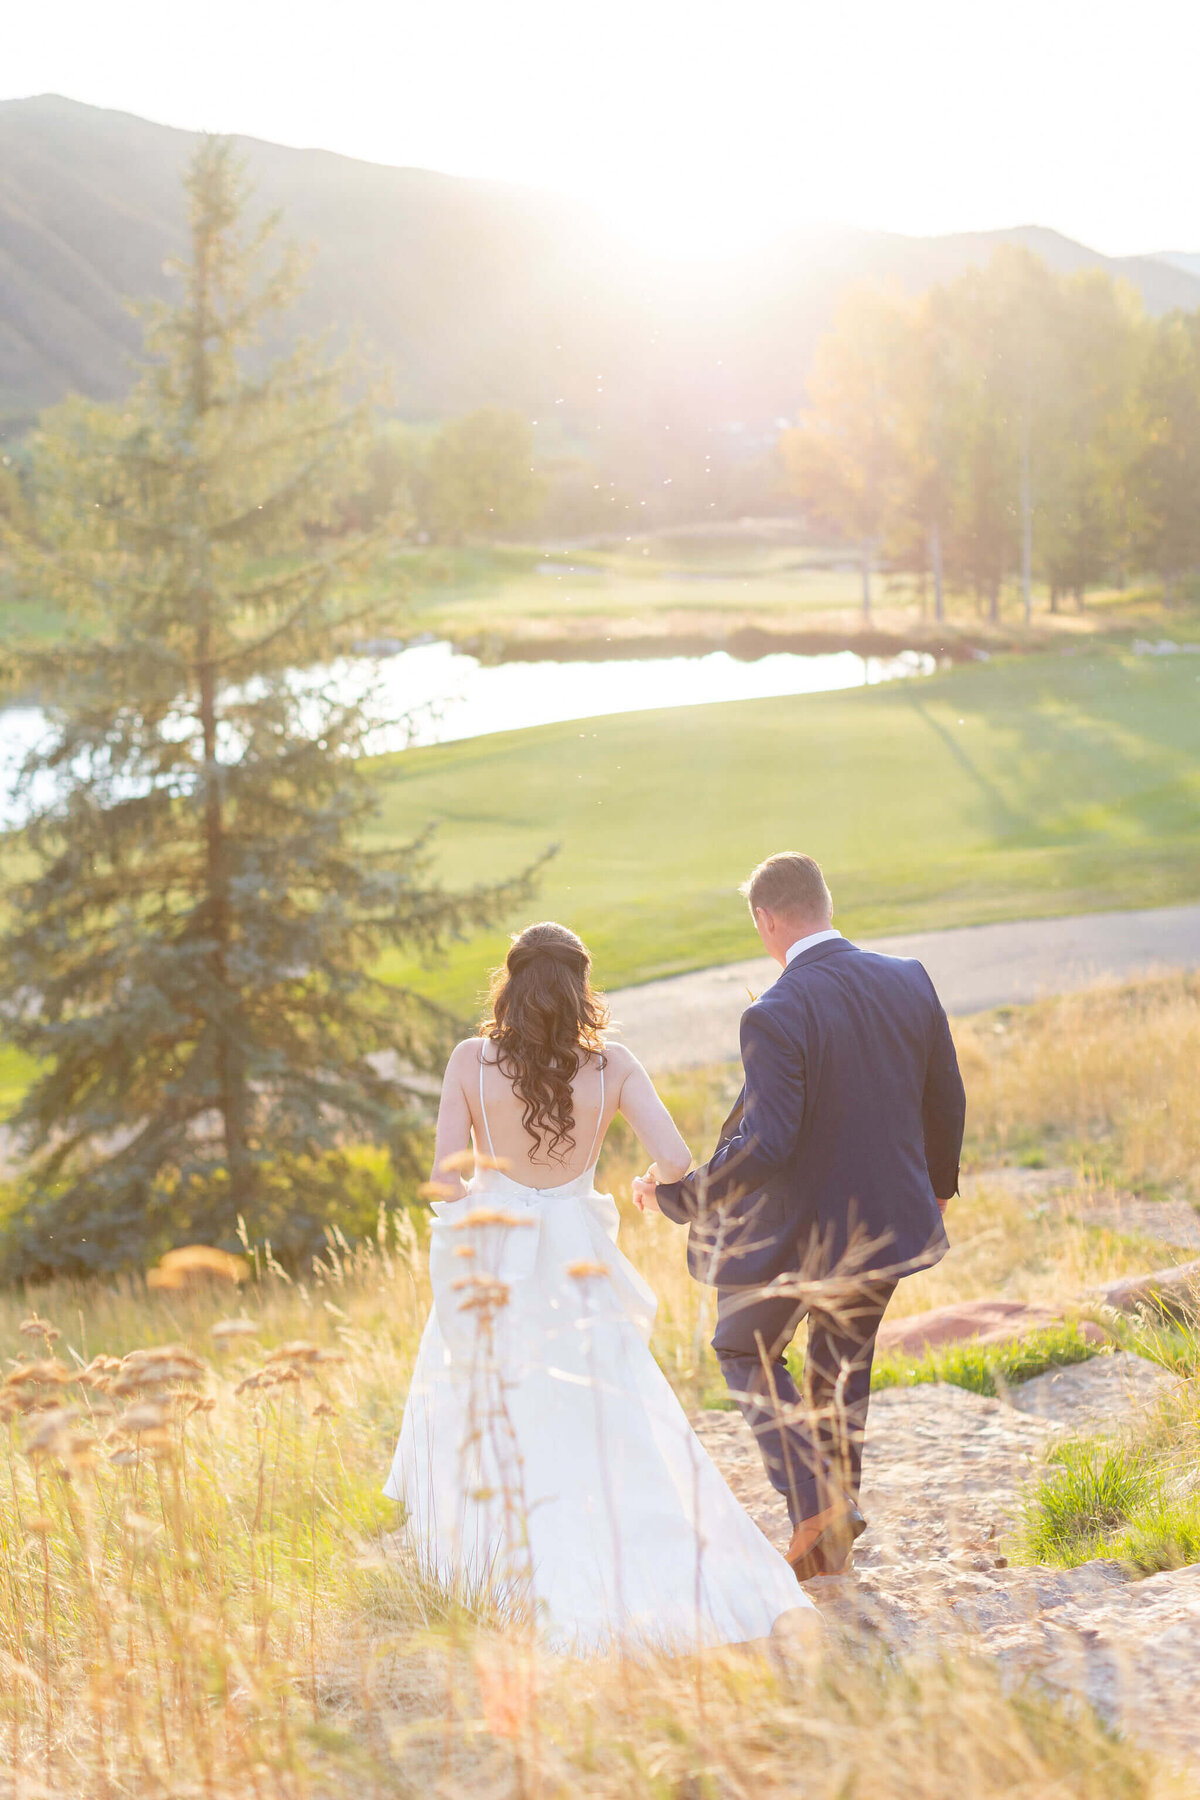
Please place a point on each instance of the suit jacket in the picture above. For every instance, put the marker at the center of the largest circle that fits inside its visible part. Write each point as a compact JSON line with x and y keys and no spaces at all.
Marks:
{"x":849,"y":1127}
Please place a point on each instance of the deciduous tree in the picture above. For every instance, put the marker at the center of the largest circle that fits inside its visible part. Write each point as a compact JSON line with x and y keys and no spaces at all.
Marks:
{"x":842,"y":458}
{"x":480,"y":476}
{"x":1166,"y":461}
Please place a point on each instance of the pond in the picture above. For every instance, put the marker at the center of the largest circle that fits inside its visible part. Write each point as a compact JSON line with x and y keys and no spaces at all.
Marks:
{"x":433,"y":694}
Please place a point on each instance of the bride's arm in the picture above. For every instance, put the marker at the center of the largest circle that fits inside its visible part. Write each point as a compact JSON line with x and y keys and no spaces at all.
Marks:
{"x":656,"y":1130}
{"x":453,"y":1142}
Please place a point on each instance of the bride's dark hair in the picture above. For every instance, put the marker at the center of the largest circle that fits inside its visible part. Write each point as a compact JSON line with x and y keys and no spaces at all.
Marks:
{"x":545,"y":1020}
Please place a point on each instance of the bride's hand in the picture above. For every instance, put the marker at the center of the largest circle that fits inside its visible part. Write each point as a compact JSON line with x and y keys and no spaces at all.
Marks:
{"x":645,"y":1190}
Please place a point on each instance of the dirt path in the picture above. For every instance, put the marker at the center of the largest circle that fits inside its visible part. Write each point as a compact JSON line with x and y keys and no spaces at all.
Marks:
{"x":943,"y":1473}
{"x":690,"y":1020}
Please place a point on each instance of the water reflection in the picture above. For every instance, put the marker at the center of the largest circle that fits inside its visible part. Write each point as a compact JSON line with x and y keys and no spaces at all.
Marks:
{"x":434,"y":694}
{"x":455,"y":696}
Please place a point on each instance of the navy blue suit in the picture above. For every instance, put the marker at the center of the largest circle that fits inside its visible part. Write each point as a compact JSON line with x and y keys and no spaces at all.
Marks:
{"x":846,"y":1135}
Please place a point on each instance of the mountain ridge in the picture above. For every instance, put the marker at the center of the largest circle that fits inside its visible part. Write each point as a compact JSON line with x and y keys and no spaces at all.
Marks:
{"x":476,"y":291}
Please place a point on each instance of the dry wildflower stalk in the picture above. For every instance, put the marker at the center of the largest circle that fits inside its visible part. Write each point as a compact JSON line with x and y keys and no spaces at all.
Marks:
{"x":481,"y":1216}
{"x":224,"y":1331}
{"x":35,"y":1327}
{"x":190,"y":1653}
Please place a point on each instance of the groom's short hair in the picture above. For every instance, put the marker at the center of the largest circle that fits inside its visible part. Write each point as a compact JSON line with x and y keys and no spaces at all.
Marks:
{"x":791,"y":884}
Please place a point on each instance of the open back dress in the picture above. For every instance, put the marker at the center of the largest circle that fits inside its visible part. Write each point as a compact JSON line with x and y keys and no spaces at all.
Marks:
{"x":543,"y":1456}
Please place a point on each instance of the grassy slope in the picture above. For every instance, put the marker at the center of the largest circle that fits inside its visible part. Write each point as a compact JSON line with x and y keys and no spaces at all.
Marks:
{"x":1027,"y":787}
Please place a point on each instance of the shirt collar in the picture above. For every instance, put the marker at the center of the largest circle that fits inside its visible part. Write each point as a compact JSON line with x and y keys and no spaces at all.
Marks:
{"x":806,"y":943}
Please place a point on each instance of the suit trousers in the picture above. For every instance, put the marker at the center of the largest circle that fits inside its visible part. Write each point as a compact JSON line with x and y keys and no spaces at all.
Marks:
{"x":811,"y":1443}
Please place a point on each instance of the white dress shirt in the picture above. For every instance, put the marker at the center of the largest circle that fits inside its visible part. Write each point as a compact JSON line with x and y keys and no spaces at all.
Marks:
{"x":806,"y":943}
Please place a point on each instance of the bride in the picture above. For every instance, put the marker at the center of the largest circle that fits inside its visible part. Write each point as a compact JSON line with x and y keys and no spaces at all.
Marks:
{"x":543,"y":1456}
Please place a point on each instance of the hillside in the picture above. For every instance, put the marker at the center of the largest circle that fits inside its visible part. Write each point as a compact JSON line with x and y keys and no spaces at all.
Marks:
{"x":474,"y":292}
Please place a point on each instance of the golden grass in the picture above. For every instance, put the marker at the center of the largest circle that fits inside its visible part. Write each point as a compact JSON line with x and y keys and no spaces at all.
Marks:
{"x":1101,"y":1085}
{"x":201,"y":1592}
{"x":1106,"y":1076}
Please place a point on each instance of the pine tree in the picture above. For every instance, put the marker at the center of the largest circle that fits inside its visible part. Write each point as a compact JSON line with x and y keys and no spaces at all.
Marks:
{"x":190,"y":959}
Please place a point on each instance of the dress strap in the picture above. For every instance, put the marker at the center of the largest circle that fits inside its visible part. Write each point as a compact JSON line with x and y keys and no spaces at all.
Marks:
{"x":599,"y":1118}
{"x":483,"y":1109}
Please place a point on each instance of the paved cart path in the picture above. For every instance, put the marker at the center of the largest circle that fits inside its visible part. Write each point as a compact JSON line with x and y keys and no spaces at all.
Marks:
{"x":692,"y":1019}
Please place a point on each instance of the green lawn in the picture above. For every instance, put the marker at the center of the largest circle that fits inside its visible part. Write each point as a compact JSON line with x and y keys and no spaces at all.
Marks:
{"x":512,"y":591}
{"x":509,"y":590}
{"x":688,"y":585}
{"x":705,"y":584}
{"x":1020,"y":788}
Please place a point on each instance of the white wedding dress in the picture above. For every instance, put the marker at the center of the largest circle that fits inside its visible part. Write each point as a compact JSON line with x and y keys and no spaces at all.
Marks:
{"x":543,"y":1456}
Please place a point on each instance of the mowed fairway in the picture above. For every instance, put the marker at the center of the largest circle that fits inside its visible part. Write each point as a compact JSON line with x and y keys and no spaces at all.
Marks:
{"x":1023,"y":787}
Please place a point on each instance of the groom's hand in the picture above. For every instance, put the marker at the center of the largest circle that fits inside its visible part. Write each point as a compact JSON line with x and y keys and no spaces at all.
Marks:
{"x":645,"y":1190}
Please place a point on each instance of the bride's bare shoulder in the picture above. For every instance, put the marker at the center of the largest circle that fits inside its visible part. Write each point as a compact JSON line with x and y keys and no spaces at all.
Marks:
{"x":619,"y":1060}
{"x":464,"y":1056}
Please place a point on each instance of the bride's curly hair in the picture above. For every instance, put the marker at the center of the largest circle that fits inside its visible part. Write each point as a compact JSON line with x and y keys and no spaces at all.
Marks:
{"x":545,"y":1020}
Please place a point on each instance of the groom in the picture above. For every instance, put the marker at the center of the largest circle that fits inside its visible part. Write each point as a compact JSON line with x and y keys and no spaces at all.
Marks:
{"x":827,"y":1185}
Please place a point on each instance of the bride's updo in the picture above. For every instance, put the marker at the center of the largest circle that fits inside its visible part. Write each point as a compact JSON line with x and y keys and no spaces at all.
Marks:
{"x":545,"y":1019}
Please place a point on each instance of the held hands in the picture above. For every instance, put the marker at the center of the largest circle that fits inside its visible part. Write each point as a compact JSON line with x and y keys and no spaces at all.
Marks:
{"x":645,"y":1190}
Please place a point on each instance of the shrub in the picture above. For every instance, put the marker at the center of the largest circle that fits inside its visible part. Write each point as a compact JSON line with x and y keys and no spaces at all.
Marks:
{"x":296,"y":1202}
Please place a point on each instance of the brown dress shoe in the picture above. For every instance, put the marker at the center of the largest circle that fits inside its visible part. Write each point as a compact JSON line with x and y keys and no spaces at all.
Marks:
{"x":830,"y":1550}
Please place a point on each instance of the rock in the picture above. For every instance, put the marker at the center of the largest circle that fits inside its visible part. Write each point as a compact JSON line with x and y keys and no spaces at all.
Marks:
{"x":943,"y":1475}
{"x":1132,"y":1649}
{"x":1175,"y":1291}
{"x":943,"y":1469}
{"x":1094,"y":1396}
{"x":977,"y":1321}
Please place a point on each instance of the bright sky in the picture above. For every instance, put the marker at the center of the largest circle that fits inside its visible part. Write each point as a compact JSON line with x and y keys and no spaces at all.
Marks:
{"x":698,"y":124}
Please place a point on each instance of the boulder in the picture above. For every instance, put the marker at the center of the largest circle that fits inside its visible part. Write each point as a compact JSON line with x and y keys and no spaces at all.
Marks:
{"x":1097,"y":1396}
{"x":972,"y":1321}
{"x":1173,"y":1291}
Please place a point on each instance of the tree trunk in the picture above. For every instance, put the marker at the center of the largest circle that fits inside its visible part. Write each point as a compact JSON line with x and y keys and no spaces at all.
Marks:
{"x":866,"y":582}
{"x":1026,"y":526}
{"x":1079,"y":597}
{"x":1053,"y":599}
{"x":994,"y":602}
{"x":232,"y":1096}
{"x":935,"y":562}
